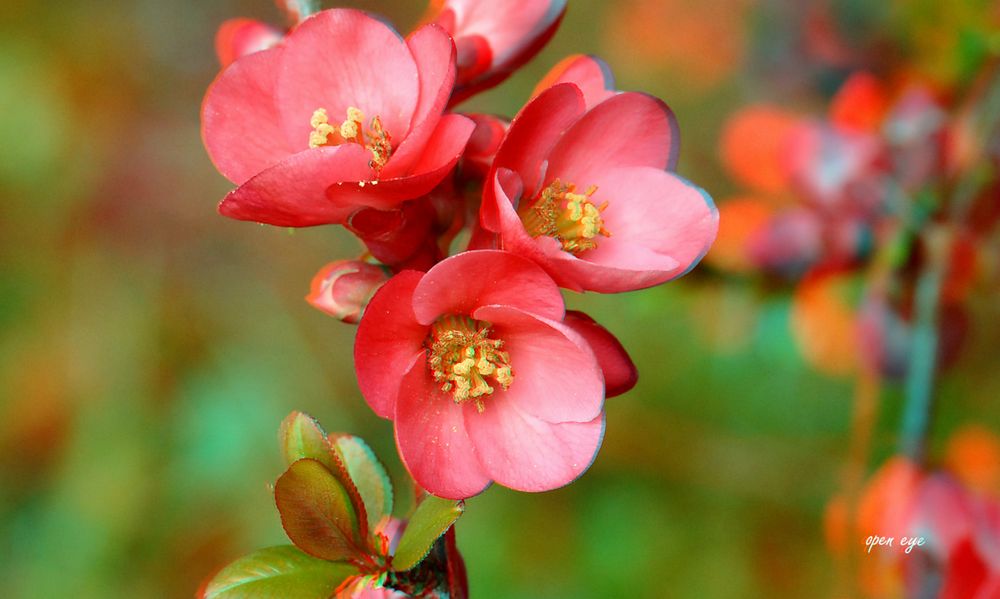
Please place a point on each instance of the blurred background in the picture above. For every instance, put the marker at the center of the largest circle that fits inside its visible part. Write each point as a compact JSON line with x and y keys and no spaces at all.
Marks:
{"x":149,"y":348}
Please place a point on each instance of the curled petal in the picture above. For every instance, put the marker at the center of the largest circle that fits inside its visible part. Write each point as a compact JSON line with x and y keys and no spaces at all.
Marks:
{"x":529,"y":139}
{"x":434,"y":54}
{"x":293,"y":192}
{"x":438,"y":158}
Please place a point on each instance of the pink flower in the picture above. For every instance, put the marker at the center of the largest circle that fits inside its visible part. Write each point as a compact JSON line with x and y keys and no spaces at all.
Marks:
{"x":238,"y":37}
{"x":343,"y":288}
{"x":342,"y":114}
{"x":582,"y":184}
{"x":494,"y":37}
{"x":482,"y":377}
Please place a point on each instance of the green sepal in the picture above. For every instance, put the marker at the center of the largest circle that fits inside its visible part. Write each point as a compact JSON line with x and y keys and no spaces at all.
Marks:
{"x":431,"y":519}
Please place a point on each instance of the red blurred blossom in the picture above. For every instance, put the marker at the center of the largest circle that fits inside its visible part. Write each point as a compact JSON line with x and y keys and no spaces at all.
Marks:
{"x":582,"y":185}
{"x":238,"y":37}
{"x":482,"y":377}
{"x":960,"y":555}
{"x":310,"y":142}
{"x":847,"y":174}
{"x":753,"y":147}
{"x":973,"y":454}
{"x":343,"y":288}
{"x":494,"y":37}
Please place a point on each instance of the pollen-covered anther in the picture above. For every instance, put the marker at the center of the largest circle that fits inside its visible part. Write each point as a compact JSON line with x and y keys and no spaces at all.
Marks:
{"x":561,"y":213}
{"x":352,"y":130}
{"x":467,"y":362}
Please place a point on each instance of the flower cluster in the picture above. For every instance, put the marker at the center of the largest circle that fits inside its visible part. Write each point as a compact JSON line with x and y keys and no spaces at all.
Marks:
{"x":472,"y":223}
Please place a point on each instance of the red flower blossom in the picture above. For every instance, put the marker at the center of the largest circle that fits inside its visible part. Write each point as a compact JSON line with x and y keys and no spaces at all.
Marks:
{"x":582,"y":184}
{"x":494,"y":37}
{"x":241,"y":36}
{"x":342,"y":114}
{"x":483,"y":378}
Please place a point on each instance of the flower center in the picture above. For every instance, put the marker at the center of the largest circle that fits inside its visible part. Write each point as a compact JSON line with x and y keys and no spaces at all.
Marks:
{"x":376,"y":140}
{"x":561,"y":213}
{"x":465,"y":359}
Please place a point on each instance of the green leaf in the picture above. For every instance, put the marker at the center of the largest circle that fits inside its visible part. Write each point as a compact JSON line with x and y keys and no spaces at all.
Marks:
{"x":317,"y":513}
{"x":431,"y":519}
{"x":368,"y":474}
{"x":282,"y":572}
{"x":301,"y":436}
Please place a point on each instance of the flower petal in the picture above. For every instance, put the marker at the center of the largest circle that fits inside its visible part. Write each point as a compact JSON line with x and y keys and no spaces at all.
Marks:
{"x":466,"y":281}
{"x":620,"y":373}
{"x":434,"y":54}
{"x":292,"y":193}
{"x":525,"y":453}
{"x":239,"y":118}
{"x":657,"y":210}
{"x":388,"y":342}
{"x":341,"y":58}
{"x":496,"y":37}
{"x":621,"y":265}
{"x":536,"y":129}
{"x":556,"y":376}
{"x":629,"y":129}
{"x":438,"y":158}
{"x":591,"y":74}
{"x":432,"y":439}
{"x":241,"y":36}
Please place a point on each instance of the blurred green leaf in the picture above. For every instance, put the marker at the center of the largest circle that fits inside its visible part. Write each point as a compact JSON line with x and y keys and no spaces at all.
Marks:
{"x":430,"y":520}
{"x":317,"y":513}
{"x":368,"y":475}
{"x":282,"y":571}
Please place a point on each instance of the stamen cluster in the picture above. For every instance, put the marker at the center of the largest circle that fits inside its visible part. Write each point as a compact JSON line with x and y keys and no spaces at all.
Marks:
{"x":376,"y":140}
{"x":462,"y":355}
{"x":572,"y":218}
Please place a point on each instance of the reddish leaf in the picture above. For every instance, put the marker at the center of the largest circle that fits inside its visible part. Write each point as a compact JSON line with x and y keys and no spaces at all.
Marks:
{"x":317,"y":513}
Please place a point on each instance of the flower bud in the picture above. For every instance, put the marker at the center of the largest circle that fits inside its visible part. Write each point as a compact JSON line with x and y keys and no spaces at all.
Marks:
{"x":238,"y":37}
{"x":342,"y":288}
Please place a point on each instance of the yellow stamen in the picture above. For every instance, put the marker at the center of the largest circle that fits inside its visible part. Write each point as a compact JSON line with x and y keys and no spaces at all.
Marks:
{"x":462,"y":355}
{"x":376,"y":140}
{"x":561,"y":213}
